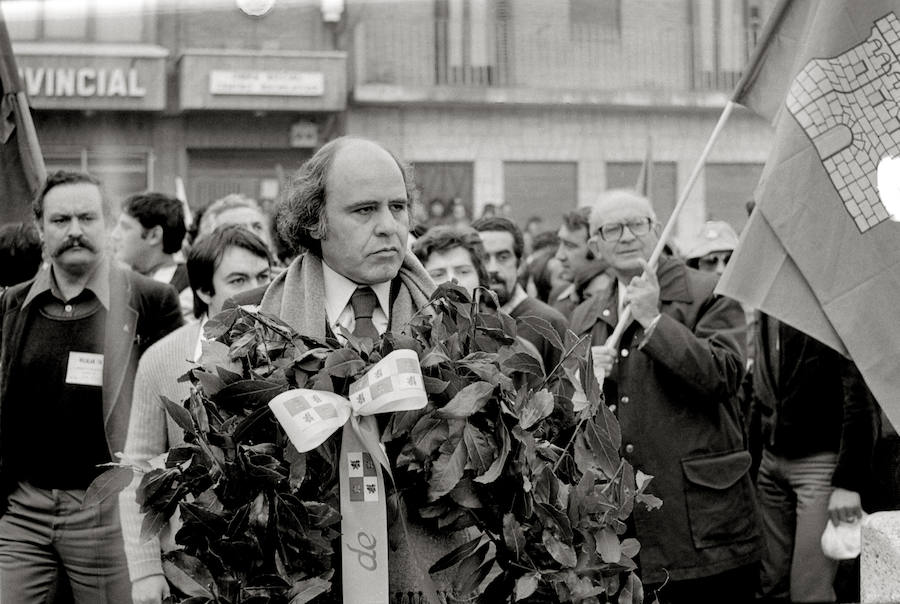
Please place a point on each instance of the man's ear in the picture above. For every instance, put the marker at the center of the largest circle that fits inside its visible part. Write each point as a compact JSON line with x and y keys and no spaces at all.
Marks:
{"x":205,"y":296}
{"x":593,"y":246}
{"x":153,"y":235}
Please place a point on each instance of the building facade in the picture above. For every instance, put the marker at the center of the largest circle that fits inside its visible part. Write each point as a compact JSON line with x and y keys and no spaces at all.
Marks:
{"x":541,"y":105}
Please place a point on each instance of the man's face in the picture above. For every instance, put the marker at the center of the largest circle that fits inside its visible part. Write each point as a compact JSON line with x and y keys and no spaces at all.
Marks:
{"x":74,"y":228}
{"x":130,"y":241}
{"x":366,"y":214}
{"x":249,"y":218}
{"x":239,"y":270}
{"x":502,"y":265}
{"x":601,"y":285}
{"x":573,"y":250}
{"x":455,"y":263}
{"x":714,"y":262}
{"x":625,"y":253}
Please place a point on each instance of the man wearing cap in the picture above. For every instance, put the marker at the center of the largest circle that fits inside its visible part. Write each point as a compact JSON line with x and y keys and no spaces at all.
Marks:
{"x":712,"y":248}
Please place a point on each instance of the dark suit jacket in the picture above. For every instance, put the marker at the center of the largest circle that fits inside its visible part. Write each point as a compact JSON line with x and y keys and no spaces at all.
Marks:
{"x":141,"y":312}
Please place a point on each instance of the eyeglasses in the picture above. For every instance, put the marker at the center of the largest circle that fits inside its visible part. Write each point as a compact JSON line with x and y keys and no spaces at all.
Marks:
{"x":612,"y":231}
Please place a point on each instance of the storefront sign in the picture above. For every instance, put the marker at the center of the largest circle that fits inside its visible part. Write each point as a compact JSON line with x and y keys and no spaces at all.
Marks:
{"x":93,"y":77}
{"x":82,"y":82}
{"x":266,"y":83}
{"x":261,"y":81}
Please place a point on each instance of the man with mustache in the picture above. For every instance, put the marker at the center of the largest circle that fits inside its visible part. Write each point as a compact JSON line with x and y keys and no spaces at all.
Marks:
{"x":69,"y":346}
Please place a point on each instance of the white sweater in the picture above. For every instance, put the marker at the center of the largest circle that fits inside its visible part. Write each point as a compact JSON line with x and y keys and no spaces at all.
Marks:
{"x":151,"y":432}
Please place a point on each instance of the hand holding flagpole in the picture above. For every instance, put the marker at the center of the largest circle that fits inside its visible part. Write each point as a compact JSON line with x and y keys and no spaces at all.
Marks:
{"x":599,"y":356}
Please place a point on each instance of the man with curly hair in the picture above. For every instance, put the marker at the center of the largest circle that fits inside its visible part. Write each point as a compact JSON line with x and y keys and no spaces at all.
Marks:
{"x":350,"y":207}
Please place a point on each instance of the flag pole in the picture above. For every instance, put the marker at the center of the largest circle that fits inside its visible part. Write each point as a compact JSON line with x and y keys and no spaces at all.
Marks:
{"x":9,"y":74}
{"x":34,"y":146}
{"x":625,"y":319}
{"x":749,"y":76}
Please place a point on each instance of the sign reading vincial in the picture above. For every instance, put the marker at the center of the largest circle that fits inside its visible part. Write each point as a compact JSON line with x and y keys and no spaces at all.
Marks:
{"x":82,"y":81}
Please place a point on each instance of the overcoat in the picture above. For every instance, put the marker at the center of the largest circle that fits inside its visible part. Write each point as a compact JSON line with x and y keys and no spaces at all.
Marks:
{"x":675,"y":394}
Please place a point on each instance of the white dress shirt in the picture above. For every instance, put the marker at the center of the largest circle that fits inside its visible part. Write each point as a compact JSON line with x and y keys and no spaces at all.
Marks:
{"x":338,"y":291}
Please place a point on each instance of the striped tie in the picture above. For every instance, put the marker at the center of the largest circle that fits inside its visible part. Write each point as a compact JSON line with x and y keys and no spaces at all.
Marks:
{"x":363,"y":303}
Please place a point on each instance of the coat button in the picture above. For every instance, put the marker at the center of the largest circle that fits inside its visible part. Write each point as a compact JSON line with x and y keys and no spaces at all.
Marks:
{"x":612,"y":407}
{"x":624,"y":352}
{"x":629,"y":448}
{"x":605,"y":312}
{"x":625,"y":400}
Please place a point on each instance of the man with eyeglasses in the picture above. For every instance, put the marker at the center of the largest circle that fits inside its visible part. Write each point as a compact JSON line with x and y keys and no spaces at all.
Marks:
{"x":673,"y":381}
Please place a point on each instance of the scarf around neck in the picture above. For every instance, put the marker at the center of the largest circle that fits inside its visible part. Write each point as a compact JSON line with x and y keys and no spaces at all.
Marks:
{"x":297,"y":295}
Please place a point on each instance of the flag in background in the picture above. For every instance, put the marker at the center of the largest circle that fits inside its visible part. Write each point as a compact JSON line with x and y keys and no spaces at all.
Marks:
{"x":20,"y":156}
{"x":644,"y":184}
{"x":820,"y":252}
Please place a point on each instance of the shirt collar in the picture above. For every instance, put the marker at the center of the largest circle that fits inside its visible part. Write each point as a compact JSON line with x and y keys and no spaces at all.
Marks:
{"x":201,"y":337}
{"x":567,"y":293}
{"x":339,"y":289}
{"x":517,"y":298}
{"x":164,"y":273}
{"x":97,"y":283}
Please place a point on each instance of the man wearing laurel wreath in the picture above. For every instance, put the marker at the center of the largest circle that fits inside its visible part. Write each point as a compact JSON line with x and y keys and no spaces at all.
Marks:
{"x":350,"y":207}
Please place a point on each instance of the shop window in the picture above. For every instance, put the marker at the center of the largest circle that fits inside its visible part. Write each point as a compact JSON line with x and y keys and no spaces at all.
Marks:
{"x":471,"y":40}
{"x":81,"y":20}
{"x":603,"y":14}
{"x":540,"y":189}
{"x":441,"y":183}
{"x":724,"y":33}
{"x":663,"y":183}
{"x":258,"y":174}
{"x":122,"y":172}
{"x":728,"y":189}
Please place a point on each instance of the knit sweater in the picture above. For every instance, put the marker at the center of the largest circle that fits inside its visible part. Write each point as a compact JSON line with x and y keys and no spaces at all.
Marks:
{"x":151,"y":432}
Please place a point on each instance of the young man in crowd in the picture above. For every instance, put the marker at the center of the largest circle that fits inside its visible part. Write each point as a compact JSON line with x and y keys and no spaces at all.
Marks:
{"x":69,"y":348}
{"x":147,"y":237}
{"x":228,"y":261}
{"x":574,"y":255}
{"x":451,"y":253}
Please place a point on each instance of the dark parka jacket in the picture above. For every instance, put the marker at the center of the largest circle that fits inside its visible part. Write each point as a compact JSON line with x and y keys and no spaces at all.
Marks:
{"x":675,"y":394}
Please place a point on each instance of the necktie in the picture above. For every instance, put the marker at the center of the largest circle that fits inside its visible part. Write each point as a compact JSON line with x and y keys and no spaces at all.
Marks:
{"x":363,"y":303}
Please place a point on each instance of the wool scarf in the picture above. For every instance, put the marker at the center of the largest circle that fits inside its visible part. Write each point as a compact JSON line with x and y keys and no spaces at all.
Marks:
{"x":297,"y":295}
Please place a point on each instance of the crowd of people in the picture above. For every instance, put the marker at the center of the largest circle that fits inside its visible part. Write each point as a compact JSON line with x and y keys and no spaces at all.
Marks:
{"x":757,"y":437}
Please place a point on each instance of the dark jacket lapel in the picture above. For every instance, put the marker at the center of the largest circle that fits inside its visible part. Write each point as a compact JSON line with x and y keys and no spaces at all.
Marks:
{"x":121,"y":332}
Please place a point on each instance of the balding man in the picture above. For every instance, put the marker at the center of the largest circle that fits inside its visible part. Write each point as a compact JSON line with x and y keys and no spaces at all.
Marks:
{"x":673,"y":380}
{"x":350,"y":207}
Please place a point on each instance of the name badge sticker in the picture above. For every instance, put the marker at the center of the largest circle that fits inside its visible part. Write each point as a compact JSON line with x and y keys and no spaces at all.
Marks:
{"x":85,"y":369}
